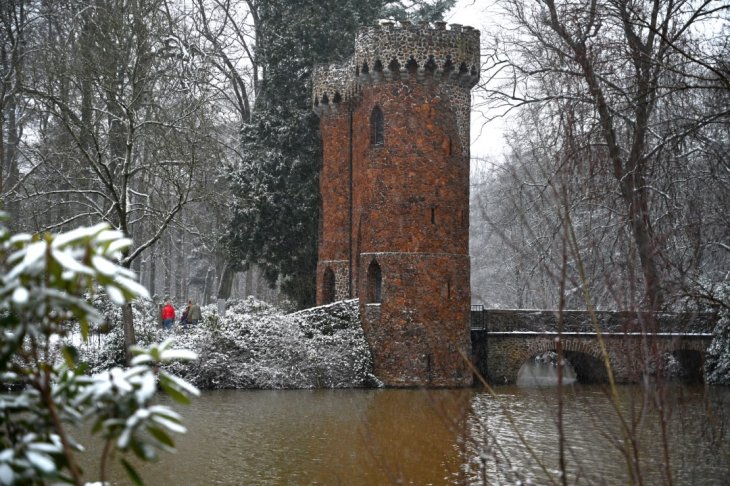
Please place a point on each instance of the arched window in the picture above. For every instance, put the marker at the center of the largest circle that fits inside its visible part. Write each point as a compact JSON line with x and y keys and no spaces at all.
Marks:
{"x":375,"y":283}
{"x":328,"y":286}
{"x":376,"y":126}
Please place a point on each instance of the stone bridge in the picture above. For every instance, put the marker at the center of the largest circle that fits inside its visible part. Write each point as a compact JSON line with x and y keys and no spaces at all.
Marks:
{"x":637,"y":345}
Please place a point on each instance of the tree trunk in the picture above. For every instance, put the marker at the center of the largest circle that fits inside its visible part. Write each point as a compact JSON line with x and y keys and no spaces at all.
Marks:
{"x":206,"y":288}
{"x":185,"y":280}
{"x":248,"y":288}
{"x":647,"y":247}
{"x":128,"y":325}
{"x":153,"y":271}
{"x":180,"y":270}
{"x":256,"y":280}
{"x":226,"y":282}
{"x":168,"y":269}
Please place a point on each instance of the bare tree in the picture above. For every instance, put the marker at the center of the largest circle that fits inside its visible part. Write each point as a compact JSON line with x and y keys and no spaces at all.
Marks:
{"x":16,"y":27}
{"x":222,"y":33}
{"x":119,"y":116}
{"x":612,"y":76}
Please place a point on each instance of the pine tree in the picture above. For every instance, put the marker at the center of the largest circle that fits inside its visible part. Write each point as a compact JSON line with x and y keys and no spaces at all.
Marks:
{"x":275,"y":185}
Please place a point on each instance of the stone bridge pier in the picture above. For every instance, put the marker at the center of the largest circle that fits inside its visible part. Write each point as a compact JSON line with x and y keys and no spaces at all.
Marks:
{"x":503,"y":341}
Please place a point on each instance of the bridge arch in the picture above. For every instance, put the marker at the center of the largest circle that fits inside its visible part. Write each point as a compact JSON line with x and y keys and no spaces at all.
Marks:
{"x":585,"y":357}
{"x":505,"y":339}
{"x":691,"y":365}
{"x":681,"y":360}
{"x":506,"y":352}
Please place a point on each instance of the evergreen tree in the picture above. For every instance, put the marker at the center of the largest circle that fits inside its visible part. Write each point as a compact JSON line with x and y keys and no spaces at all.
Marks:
{"x":275,"y":185}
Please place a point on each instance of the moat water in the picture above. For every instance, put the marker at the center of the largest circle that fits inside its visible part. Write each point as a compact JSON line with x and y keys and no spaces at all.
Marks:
{"x":373,"y":437}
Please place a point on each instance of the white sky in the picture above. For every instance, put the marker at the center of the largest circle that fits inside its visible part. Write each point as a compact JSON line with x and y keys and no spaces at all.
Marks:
{"x":486,"y":137}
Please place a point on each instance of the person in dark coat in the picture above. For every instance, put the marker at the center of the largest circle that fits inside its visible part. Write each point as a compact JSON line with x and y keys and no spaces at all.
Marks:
{"x":195,"y":315}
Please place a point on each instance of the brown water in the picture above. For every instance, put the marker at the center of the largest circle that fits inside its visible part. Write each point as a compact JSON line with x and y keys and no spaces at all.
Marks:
{"x":363,"y":437}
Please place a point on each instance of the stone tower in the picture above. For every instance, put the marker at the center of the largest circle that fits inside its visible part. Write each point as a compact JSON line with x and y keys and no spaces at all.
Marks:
{"x":394,"y":189}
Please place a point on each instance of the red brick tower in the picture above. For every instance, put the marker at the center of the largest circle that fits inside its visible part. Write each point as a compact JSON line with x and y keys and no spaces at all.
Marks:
{"x":335,"y":180}
{"x":395,"y":196}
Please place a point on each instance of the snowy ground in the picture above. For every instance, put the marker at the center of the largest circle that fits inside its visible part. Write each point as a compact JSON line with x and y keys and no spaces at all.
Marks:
{"x":255,"y":346}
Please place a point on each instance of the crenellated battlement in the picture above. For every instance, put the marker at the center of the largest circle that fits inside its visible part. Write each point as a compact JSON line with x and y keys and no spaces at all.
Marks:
{"x":389,"y":52}
{"x":393,"y":52}
{"x":333,"y":84}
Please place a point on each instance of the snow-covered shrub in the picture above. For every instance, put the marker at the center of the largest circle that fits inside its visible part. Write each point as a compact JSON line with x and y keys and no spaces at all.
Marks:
{"x":109,"y":350}
{"x":43,"y":281}
{"x":717,"y":359}
{"x":257,"y":346}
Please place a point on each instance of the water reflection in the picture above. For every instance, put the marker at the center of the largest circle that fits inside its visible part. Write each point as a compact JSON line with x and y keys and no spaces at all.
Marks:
{"x":363,"y":437}
{"x":539,"y":373}
{"x":514,"y":436}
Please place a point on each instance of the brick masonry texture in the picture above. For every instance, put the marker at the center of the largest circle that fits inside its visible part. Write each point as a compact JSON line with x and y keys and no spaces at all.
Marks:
{"x":334,"y":183}
{"x":402,"y":204}
{"x":417,"y":334}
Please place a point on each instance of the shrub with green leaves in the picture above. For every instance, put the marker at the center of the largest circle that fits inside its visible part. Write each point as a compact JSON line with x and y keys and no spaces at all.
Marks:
{"x":43,"y":288}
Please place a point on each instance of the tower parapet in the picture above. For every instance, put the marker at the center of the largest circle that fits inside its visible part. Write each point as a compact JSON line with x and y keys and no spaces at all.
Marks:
{"x":333,"y":84}
{"x":389,"y":52}
{"x":386,"y":52}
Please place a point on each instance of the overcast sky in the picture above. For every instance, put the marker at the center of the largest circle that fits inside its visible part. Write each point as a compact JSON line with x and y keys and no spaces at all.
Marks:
{"x":486,"y":138}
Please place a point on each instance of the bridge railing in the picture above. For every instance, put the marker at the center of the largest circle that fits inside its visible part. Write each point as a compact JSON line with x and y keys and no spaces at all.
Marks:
{"x":510,"y":320}
{"x":478,"y":318}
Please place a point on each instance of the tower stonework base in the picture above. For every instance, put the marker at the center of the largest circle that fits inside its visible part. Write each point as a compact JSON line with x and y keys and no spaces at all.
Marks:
{"x":415,"y":339}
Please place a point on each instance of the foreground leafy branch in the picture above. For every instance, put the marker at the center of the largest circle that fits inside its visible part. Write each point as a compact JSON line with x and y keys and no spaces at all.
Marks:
{"x":45,"y":279}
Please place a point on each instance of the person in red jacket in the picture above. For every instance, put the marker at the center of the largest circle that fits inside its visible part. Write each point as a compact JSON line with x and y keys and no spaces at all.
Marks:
{"x":168,"y":315}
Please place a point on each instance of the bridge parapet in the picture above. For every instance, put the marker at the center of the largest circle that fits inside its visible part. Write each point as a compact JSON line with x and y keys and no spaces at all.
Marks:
{"x":546,"y":321}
